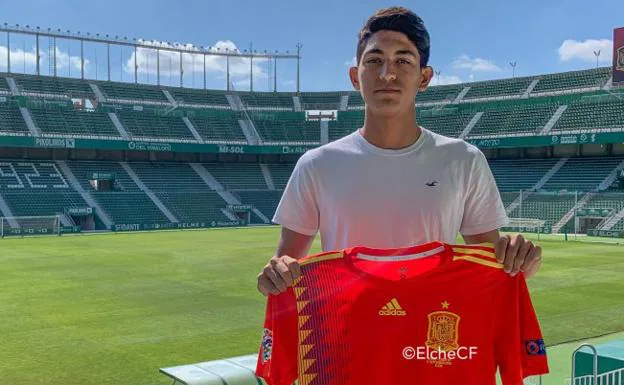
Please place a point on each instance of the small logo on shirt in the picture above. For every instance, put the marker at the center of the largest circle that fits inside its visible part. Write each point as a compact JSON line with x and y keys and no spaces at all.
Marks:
{"x":432,"y":183}
{"x":266,"y":345}
{"x":392,"y":308}
{"x":535,"y":347}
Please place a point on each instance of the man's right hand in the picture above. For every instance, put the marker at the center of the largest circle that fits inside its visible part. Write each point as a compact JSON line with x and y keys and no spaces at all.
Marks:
{"x":278,"y":274}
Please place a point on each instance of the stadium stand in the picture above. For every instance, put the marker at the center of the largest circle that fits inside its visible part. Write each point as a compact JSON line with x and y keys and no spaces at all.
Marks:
{"x":582,"y":174}
{"x":4,"y":86}
{"x":219,"y":126}
{"x":519,"y":174}
{"x":73,"y":122}
{"x":202,"y":97}
{"x":320,"y":100}
{"x":132,"y":92}
{"x":498,"y":88}
{"x":506,"y":112}
{"x":286,"y":127}
{"x":11,"y":120}
{"x":280,"y":174}
{"x":73,"y":88}
{"x":267,"y":100}
{"x":151,"y":126}
{"x":592,"y":116}
{"x":565,"y":81}
{"x":514,"y":120}
{"x":238,"y":176}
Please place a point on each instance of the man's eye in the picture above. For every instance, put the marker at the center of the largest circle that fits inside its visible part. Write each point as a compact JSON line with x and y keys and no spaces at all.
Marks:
{"x":404,"y":61}
{"x":374,"y":60}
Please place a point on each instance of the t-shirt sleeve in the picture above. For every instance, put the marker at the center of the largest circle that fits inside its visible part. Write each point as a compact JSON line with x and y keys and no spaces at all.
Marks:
{"x":483,"y":209}
{"x":298,"y":209}
{"x":519,"y":346}
{"x":277,"y":356}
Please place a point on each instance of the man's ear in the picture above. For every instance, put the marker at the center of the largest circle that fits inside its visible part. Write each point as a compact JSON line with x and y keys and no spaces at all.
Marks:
{"x":426,"y":74}
{"x":353,"y":75}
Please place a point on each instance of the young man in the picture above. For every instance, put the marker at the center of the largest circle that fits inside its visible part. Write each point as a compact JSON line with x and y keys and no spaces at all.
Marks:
{"x":391,"y":183}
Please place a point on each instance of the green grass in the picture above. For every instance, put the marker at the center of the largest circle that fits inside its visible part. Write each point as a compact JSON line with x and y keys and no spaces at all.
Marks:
{"x":113,"y":308}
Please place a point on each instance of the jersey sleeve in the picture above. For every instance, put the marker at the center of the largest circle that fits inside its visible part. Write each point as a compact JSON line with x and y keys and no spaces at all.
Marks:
{"x":277,"y":356}
{"x":519,"y":347}
{"x":483,"y":209}
{"x":298,"y":209}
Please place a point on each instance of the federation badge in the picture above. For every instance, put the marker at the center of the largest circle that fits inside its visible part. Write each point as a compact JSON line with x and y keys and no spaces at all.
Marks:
{"x":443,"y":332}
{"x":266,"y":345}
{"x":535,"y":347}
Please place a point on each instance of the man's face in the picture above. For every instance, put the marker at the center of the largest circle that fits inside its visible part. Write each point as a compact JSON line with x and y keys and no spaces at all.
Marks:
{"x":389,"y":74}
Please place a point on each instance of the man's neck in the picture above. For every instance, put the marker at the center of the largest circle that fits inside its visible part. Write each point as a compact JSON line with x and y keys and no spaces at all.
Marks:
{"x":392,"y":133}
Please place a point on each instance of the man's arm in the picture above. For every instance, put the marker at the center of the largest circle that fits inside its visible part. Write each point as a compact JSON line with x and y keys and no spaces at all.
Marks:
{"x":281,"y":270}
{"x":514,"y":251}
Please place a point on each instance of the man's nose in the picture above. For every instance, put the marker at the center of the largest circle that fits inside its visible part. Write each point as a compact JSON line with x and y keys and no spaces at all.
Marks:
{"x":387,"y":72}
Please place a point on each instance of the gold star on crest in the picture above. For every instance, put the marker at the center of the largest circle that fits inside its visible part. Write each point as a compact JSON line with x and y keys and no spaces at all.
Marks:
{"x":445,"y":305}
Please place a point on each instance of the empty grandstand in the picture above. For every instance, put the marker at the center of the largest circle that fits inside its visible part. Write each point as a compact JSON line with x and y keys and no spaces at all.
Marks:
{"x":106,"y":155}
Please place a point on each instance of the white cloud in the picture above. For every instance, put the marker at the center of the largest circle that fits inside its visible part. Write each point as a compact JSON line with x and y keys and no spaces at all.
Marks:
{"x":288,"y":83}
{"x":351,"y":63}
{"x":471,"y":78}
{"x":476,"y":64}
{"x":19,"y":57}
{"x":440,"y":80}
{"x":170,"y":61}
{"x":584,"y":50}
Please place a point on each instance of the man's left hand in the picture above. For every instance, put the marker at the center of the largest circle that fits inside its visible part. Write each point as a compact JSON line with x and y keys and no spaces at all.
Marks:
{"x":518,"y":254}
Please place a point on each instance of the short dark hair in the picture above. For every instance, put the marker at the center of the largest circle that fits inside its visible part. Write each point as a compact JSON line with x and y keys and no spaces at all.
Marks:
{"x":398,"y":19}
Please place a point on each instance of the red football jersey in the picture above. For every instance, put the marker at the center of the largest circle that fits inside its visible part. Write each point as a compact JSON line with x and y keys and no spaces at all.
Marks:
{"x":428,"y":314}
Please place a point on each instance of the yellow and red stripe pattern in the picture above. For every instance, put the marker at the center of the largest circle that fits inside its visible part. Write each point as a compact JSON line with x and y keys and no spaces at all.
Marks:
{"x":482,"y":254}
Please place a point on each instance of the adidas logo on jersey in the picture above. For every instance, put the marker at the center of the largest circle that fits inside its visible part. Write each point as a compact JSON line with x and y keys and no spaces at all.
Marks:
{"x":392,"y":308}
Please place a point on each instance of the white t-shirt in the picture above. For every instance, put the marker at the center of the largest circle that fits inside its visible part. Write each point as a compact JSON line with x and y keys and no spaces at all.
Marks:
{"x":357,"y":194}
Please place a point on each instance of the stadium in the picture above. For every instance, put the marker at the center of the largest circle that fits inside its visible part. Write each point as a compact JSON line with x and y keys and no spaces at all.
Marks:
{"x":139,"y":186}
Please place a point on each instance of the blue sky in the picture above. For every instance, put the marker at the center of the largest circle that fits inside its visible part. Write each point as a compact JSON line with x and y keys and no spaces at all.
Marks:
{"x":471,"y":40}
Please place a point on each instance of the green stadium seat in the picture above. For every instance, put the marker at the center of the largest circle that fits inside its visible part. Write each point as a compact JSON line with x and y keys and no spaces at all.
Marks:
{"x":71,"y":87}
{"x":582,"y":174}
{"x":573,"y":80}
{"x":440,"y":93}
{"x":448,"y":121}
{"x":281,"y":127}
{"x":194,"y":206}
{"x":264,"y":200}
{"x":355,"y":100}
{"x":148,"y":125}
{"x":11,"y":120}
{"x":129,"y":207}
{"x":320,"y":100}
{"x":138,"y":92}
{"x":74,"y":122}
{"x":513,"y":175}
{"x":498,"y":88}
{"x":235,"y":176}
{"x":347,"y":122}
{"x":513,"y":120}
{"x":271,"y":100}
{"x":4,"y":86}
{"x":196,"y":96}
{"x":585,"y":116}
{"x":219,"y":126}
{"x":280,"y":172}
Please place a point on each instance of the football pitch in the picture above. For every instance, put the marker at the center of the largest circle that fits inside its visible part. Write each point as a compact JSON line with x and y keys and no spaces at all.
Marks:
{"x":114,"y":308}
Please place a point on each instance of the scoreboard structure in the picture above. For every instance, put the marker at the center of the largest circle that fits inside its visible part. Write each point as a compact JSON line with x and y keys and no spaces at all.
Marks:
{"x":618,"y":56}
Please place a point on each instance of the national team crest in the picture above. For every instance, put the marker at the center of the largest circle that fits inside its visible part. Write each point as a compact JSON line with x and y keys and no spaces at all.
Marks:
{"x":619,"y":61}
{"x":266,"y":345}
{"x":442,"y":334}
